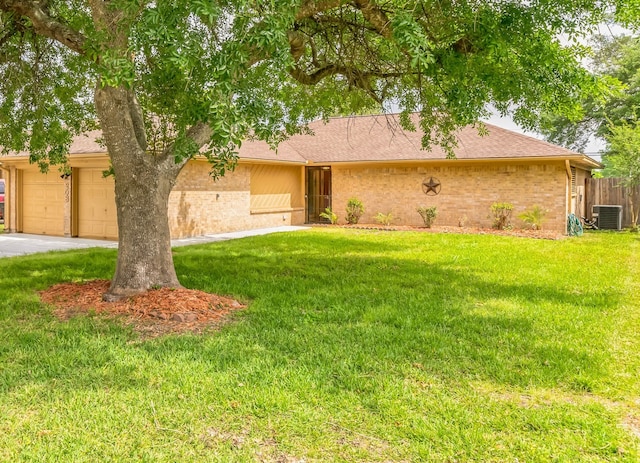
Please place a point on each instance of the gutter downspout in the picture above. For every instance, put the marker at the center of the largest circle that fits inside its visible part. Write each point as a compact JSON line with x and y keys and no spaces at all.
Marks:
{"x":567,"y":166}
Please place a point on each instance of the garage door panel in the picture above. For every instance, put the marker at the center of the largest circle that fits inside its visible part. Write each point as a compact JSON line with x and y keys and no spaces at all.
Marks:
{"x":42,"y":203}
{"x":112,"y":230}
{"x":96,"y":205}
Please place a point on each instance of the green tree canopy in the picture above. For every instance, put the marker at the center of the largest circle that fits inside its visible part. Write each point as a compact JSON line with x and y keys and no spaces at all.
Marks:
{"x":616,"y":60}
{"x":168,"y":79}
{"x":614,"y":119}
{"x":238,"y":65}
{"x":622,"y":160}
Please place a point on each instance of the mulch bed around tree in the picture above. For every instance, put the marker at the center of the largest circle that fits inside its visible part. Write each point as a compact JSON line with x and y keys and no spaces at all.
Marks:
{"x":154,"y":313}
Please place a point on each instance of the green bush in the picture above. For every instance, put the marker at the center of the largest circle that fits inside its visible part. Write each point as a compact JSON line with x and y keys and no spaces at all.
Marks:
{"x":329,"y":215}
{"x":501,"y":213}
{"x":355,"y":209}
{"x":534,"y":217}
{"x":384,"y":219}
{"x":428,"y":215}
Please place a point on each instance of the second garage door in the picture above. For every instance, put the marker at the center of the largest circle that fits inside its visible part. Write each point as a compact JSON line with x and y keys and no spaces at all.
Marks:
{"x":42,"y":203}
{"x":96,"y":205}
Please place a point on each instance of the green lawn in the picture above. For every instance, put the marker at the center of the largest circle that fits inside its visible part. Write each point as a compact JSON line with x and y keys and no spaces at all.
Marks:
{"x":357,"y":347}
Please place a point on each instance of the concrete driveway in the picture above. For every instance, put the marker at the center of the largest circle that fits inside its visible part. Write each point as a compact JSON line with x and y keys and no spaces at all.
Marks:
{"x":17,"y":244}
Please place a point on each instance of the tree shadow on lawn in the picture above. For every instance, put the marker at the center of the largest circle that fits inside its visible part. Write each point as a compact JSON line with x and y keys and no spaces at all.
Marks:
{"x":346,"y":320}
{"x":373,"y":314}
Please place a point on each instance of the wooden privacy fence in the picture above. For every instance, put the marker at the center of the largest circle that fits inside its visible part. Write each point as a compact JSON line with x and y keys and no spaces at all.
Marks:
{"x":609,"y":191}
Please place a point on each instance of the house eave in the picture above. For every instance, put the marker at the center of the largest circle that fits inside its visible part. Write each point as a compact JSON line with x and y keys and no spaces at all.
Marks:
{"x":580,"y":160}
{"x":81,"y":159}
{"x":242,"y":160}
{"x":272,"y":161}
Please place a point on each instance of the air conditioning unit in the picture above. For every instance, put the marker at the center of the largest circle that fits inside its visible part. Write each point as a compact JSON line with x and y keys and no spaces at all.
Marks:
{"x":609,"y":217}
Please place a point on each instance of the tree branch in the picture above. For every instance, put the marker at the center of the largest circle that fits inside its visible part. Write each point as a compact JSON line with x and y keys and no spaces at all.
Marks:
{"x":313,"y":7}
{"x":45,"y":25}
{"x":369,"y":9}
{"x":137,"y":120}
{"x":199,"y":133}
{"x":355,"y":77}
{"x":296,"y":44}
{"x":315,"y":77}
{"x":375,"y":16}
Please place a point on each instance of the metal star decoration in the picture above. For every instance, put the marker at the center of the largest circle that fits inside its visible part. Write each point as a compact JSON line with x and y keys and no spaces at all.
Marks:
{"x":431,"y":187}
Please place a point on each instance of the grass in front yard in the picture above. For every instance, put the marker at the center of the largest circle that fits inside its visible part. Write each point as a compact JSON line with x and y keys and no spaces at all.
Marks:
{"x":357,"y":346}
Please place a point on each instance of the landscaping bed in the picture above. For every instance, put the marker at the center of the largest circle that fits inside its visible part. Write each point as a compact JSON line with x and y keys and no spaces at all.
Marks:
{"x":154,"y":313}
{"x":521,"y":232}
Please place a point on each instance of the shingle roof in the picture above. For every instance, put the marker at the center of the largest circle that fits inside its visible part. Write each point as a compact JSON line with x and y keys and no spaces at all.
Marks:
{"x":380,"y":138}
{"x":87,"y":143}
{"x":259,"y":150}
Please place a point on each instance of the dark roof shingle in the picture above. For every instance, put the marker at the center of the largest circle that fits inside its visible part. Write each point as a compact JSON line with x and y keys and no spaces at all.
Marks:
{"x":380,"y":138}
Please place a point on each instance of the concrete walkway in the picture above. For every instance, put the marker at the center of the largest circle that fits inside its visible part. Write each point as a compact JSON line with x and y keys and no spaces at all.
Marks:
{"x":17,"y":244}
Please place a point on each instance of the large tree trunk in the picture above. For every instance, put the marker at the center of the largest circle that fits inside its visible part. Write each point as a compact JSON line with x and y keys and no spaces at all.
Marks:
{"x":143,"y":183}
{"x":144,"y":241}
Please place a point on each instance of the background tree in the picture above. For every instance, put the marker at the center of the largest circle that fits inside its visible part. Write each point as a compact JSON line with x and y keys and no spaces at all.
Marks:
{"x":614,"y":119}
{"x":171,"y":79}
{"x":622,"y":160}
{"x":605,"y":63}
{"x":616,"y":59}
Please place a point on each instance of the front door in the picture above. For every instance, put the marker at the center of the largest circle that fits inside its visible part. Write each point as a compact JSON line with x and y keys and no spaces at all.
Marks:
{"x":318,"y":193}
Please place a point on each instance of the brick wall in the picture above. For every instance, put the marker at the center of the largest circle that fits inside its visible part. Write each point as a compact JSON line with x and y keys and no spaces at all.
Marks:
{"x":467,"y":191}
{"x":199,"y":205}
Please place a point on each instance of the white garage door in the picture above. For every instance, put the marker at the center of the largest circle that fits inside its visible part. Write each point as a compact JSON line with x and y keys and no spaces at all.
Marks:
{"x":96,"y":205}
{"x":42,"y":203}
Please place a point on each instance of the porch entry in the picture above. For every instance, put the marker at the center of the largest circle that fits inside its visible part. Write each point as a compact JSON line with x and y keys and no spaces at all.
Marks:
{"x":318,"y":195}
